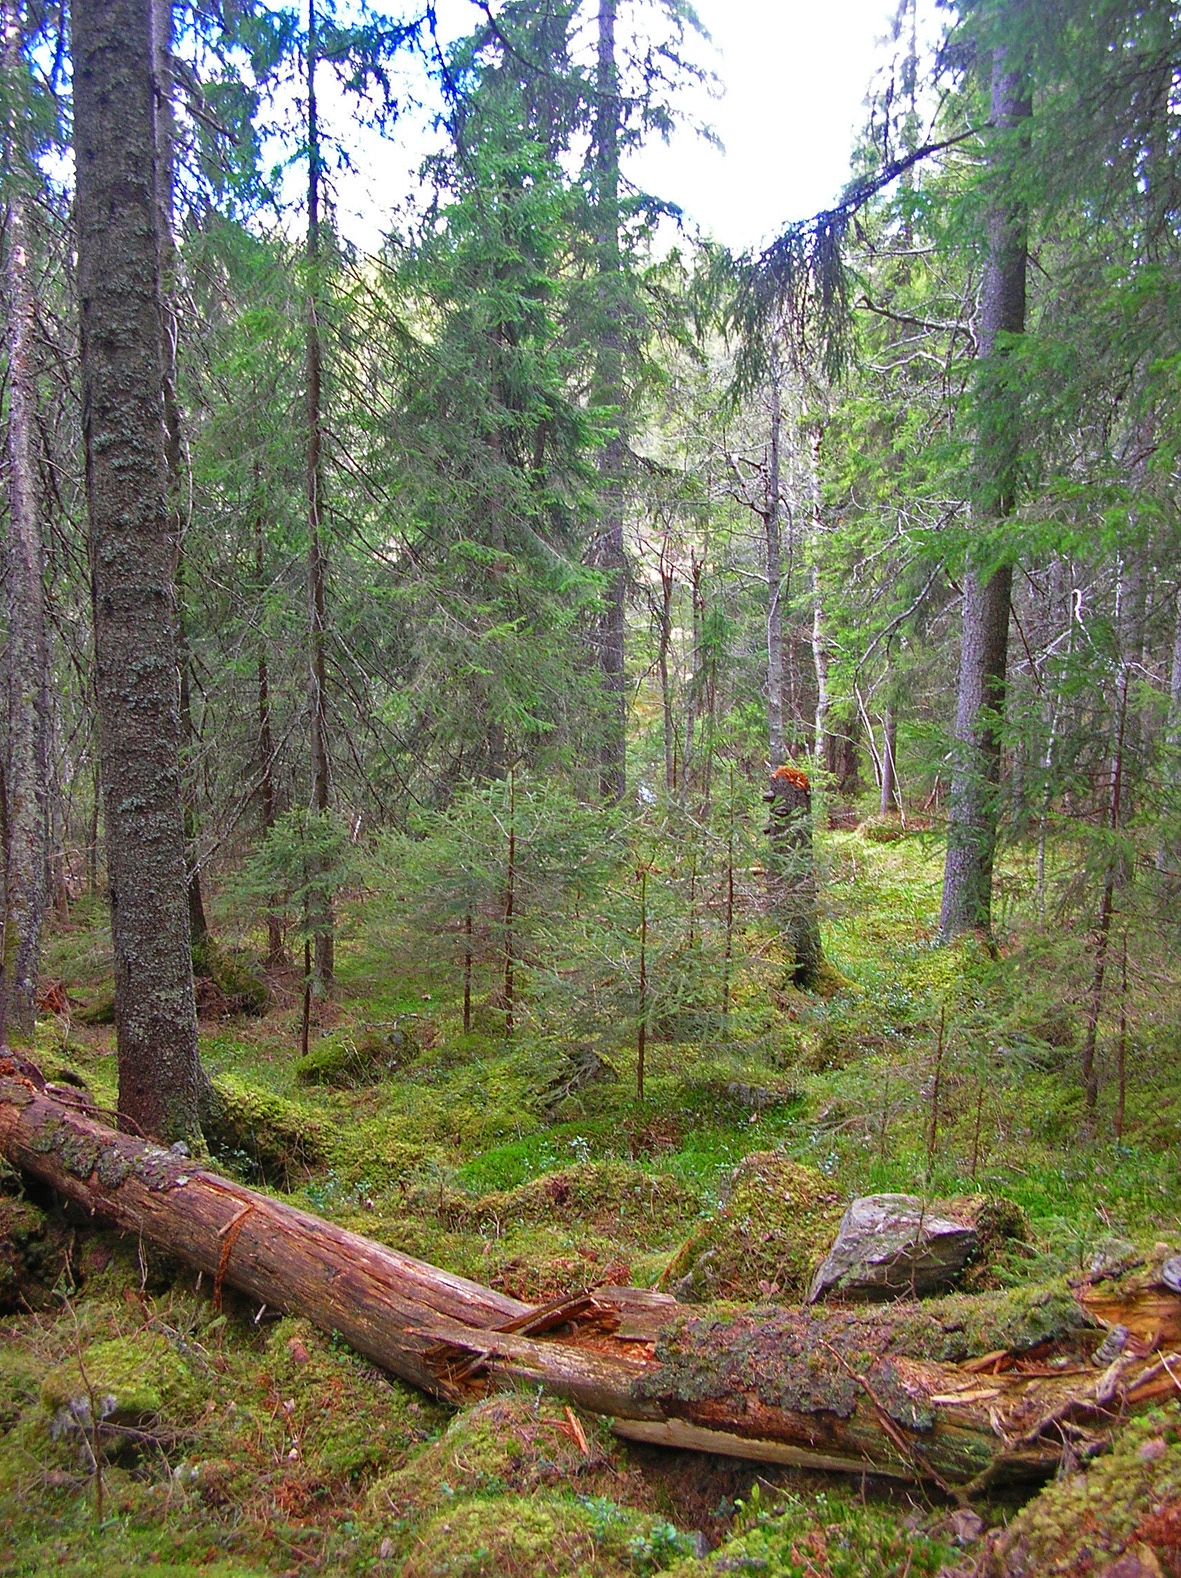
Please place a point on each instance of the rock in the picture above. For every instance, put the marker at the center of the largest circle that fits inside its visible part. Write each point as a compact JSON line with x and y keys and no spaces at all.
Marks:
{"x":1170,"y":1274}
{"x":1111,"y":1347}
{"x":891,"y":1245}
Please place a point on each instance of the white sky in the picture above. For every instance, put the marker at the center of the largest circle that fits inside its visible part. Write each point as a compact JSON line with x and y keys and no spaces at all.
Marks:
{"x":794,"y":76}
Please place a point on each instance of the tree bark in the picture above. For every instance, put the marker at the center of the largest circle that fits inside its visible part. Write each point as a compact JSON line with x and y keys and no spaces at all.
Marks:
{"x":1168,"y":855}
{"x":859,"y":1390}
{"x":609,"y":394}
{"x":26,"y":768}
{"x":980,"y":701}
{"x":133,"y":564}
{"x":322,"y":918}
{"x":793,"y":871}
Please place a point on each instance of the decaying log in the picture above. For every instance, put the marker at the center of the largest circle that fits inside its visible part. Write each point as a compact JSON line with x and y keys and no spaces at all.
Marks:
{"x":869,"y":1391}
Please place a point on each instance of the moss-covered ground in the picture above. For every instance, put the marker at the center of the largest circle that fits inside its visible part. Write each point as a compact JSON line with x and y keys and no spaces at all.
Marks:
{"x":234,"y":1443}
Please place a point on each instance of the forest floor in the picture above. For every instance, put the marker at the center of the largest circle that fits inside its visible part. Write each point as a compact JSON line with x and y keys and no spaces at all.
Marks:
{"x":257,"y":1445}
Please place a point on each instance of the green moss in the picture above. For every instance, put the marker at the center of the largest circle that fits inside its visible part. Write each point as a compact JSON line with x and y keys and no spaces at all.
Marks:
{"x":538,"y":1536}
{"x":272,"y":1132}
{"x":100,"y":1010}
{"x":774,"y":1228}
{"x":236,"y":988}
{"x":826,"y":1536}
{"x":1132,"y":1495}
{"x":131,"y":1378}
{"x":348,"y":1059}
{"x":509,"y":1443}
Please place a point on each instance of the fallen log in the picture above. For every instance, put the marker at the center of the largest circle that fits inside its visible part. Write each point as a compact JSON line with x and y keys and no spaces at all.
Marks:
{"x":826,"y":1388}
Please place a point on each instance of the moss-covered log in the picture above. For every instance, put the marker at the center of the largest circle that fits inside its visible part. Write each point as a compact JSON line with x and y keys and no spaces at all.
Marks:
{"x":902,"y":1390}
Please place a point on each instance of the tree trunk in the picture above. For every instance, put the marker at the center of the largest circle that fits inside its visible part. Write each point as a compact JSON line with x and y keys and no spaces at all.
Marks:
{"x":1168,"y":855}
{"x":819,"y":641}
{"x":322,"y":919}
{"x":26,"y":768}
{"x":980,"y":702}
{"x":609,"y":394}
{"x":856,"y":1390}
{"x":888,"y":800}
{"x":266,"y":747}
{"x":133,"y":565}
{"x":793,"y":871}
{"x":173,"y":433}
{"x":774,"y":582}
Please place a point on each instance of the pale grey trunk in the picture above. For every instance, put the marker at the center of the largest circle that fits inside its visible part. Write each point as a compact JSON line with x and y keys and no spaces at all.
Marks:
{"x":980,"y":701}
{"x":889,"y":800}
{"x":26,"y":770}
{"x":774,"y":581}
{"x":133,"y":564}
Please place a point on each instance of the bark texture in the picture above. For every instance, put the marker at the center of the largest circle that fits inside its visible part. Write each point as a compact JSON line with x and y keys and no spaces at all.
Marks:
{"x":793,"y":871}
{"x":26,"y":769}
{"x":133,"y":563}
{"x":865,"y":1392}
{"x":980,"y":700}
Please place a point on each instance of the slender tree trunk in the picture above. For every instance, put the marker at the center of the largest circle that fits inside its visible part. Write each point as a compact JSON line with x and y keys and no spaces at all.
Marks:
{"x":666,"y":699}
{"x":889,"y":800}
{"x":1168,"y":855}
{"x":467,"y":973}
{"x":510,"y":898}
{"x":266,"y":744}
{"x":980,"y":703}
{"x":133,"y":564}
{"x":774,"y":582}
{"x":173,"y":428}
{"x":26,"y":770}
{"x":322,"y":918}
{"x":609,"y":393}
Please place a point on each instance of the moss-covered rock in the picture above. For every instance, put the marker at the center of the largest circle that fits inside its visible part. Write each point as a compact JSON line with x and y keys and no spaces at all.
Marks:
{"x":99,"y":1010}
{"x":131,"y":1379}
{"x":1125,"y":1500}
{"x":508,"y":1444}
{"x":348,"y":1059}
{"x":539,"y":1536}
{"x":772,"y":1231}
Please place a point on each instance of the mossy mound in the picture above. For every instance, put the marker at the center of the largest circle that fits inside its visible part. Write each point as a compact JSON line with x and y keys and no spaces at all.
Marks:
{"x":130,"y":1379}
{"x":508,"y":1444}
{"x":269,"y":1132}
{"x":349,"y":1059}
{"x":1126,"y":1500}
{"x":100,"y":1010}
{"x":826,"y":1536}
{"x":885,"y":828}
{"x":603,"y":1195}
{"x":774,"y":1228}
{"x":225,"y":982}
{"x":32,"y":1255}
{"x":539,"y":1536}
